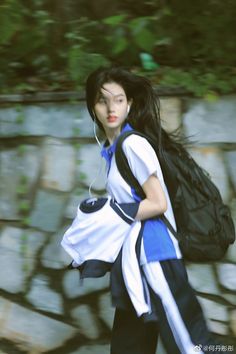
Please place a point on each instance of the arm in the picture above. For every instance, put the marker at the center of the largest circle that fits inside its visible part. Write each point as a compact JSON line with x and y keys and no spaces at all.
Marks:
{"x":155,"y":202}
{"x":146,"y":169}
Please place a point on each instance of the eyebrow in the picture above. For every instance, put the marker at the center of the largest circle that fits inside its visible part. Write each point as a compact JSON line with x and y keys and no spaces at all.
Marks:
{"x":114,"y":95}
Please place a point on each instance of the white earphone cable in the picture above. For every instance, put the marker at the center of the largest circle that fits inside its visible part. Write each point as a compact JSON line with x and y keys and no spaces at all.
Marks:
{"x":94,"y":180}
{"x":95,"y":134}
{"x":100,"y":166}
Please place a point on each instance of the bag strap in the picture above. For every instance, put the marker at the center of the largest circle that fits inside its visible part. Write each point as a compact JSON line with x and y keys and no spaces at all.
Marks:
{"x":123,"y":164}
{"x":125,"y":171}
{"x":170,"y":227}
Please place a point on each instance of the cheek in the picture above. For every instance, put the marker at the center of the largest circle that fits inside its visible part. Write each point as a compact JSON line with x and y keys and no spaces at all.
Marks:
{"x":99,"y":111}
{"x":125,"y":111}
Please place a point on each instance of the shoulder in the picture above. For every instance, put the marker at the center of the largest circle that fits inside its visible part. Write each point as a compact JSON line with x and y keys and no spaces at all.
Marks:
{"x":141,"y":157}
{"x":135,"y":141}
{"x":138,"y":145}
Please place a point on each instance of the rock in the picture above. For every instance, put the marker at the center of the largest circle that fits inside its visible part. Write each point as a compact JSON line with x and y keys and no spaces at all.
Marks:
{"x":232,"y":321}
{"x":71,"y":284}
{"x":53,"y":255}
{"x":12,"y":272}
{"x":211,"y":122}
{"x":105,"y":349}
{"x":31,"y":331}
{"x":58,"y":166}
{"x":73,"y":287}
{"x":42,"y":297}
{"x":92,"y":167}
{"x":8,"y":185}
{"x":18,"y":257}
{"x":84,"y":122}
{"x":106,"y":310}
{"x":29,"y":164}
{"x":211,"y":160}
{"x":11,"y":121}
{"x":230,"y":298}
{"x":75,"y":199}
{"x":18,"y":174}
{"x":214,"y":310}
{"x":231,"y":252}
{"x":93,"y":349}
{"x":160,"y":347}
{"x":62,"y":120}
{"x":218,"y":327}
{"x":86,"y":321}
{"x":231,"y":163}
{"x":202,"y":278}
{"x":226,"y":273}
{"x":48,"y":210}
{"x":170,"y":113}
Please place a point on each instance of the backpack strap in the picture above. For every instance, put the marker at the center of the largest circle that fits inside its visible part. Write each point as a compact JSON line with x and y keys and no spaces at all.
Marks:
{"x":123,"y":165}
{"x":125,"y":171}
{"x":170,"y":227}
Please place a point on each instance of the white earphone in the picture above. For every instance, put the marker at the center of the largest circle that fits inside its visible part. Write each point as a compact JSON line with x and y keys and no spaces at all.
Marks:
{"x":128,"y":109}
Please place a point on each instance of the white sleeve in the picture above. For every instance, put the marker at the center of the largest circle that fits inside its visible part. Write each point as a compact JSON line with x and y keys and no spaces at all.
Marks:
{"x":142,"y":158}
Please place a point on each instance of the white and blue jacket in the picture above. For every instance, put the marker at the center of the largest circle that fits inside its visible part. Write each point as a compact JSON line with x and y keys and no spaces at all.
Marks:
{"x":158,"y":242}
{"x":100,"y":229}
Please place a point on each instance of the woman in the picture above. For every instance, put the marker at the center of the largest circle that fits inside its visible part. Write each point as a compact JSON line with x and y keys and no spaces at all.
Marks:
{"x":117,"y":101}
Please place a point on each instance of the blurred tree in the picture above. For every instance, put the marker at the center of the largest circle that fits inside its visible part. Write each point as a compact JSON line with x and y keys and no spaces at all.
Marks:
{"x":53,"y":44}
{"x":98,"y":9}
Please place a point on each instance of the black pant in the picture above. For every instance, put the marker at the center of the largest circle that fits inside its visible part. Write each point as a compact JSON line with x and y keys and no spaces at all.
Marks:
{"x":130,"y":335}
{"x":179,"y":330}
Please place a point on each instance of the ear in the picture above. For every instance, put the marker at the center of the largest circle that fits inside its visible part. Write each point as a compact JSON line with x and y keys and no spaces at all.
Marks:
{"x":129,"y":106}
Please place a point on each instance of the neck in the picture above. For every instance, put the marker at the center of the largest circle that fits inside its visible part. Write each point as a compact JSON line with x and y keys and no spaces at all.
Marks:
{"x":112,"y":134}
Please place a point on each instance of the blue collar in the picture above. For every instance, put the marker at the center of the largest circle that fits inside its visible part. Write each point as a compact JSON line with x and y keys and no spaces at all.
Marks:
{"x":108,"y":151}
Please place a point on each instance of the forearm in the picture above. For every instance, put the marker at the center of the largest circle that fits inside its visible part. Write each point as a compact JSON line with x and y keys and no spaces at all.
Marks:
{"x":155,"y":203}
{"x":149,"y":209}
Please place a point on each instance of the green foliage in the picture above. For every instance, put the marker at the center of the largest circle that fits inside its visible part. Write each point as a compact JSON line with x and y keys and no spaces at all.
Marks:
{"x":24,"y":206}
{"x":24,"y":241}
{"x":147,"y":62}
{"x":20,"y":118}
{"x":24,"y":250}
{"x":10,"y":20}
{"x":115,"y":20}
{"x":199,"y":81}
{"x":51,"y":46}
{"x":76,"y":131}
{"x":22,"y":149}
{"x":82,"y":176}
{"x":78,"y":192}
{"x":23,"y":201}
{"x":81,"y":63}
{"x":141,"y":33}
{"x":77,"y":146}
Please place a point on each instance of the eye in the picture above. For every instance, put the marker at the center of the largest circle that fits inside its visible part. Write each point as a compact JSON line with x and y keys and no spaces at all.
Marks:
{"x":119,"y":100}
{"x":101,"y":100}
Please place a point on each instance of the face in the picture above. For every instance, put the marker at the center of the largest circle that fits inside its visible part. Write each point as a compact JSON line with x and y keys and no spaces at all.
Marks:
{"x":111,"y":108}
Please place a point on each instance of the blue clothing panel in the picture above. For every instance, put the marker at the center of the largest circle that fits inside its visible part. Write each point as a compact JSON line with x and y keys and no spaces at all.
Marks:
{"x":108,"y":152}
{"x":157,"y":243}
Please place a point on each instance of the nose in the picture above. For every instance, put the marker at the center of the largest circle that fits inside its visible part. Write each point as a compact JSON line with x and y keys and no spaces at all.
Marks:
{"x":110,"y":106}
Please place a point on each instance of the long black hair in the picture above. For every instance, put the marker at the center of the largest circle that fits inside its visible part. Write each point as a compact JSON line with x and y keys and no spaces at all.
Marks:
{"x":144,"y":115}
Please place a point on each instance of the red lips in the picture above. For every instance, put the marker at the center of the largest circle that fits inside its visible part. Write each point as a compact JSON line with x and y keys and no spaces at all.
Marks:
{"x":112,"y":119}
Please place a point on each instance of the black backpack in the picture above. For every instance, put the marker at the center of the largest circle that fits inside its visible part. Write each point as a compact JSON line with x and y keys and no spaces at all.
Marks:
{"x":205,"y":228}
